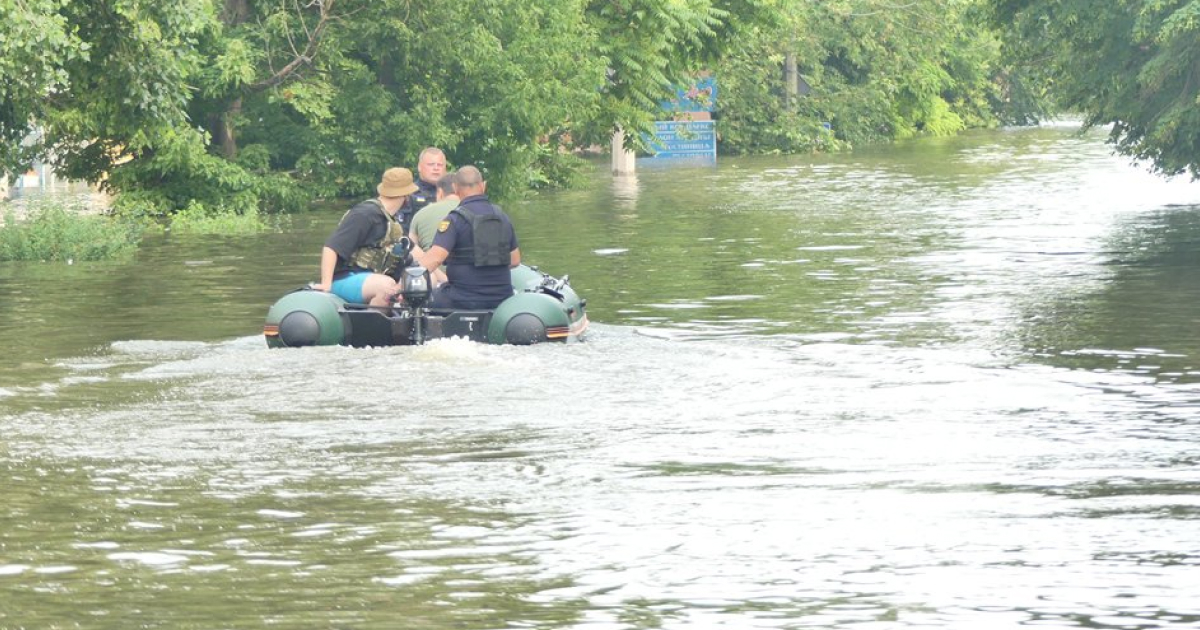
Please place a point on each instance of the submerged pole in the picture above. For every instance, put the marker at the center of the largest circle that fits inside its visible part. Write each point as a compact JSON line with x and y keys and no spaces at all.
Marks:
{"x":623,"y":162}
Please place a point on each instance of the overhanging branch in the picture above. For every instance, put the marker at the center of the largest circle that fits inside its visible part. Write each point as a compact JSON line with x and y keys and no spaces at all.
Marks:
{"x":301,"y":58}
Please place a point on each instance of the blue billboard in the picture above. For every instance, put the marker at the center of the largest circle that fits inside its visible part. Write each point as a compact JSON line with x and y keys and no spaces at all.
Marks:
{"x":691,"y":132}
{"x":684,"y":139}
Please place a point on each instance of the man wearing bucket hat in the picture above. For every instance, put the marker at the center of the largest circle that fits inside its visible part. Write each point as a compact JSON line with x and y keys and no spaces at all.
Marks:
{"x":358,"y":254}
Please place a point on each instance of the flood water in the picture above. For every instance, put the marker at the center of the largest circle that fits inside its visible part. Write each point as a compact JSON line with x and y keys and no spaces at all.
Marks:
{"x":953,"y":383}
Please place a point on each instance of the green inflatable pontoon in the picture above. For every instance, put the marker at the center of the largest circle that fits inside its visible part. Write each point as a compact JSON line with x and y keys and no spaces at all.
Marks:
{"x":541,"y":309}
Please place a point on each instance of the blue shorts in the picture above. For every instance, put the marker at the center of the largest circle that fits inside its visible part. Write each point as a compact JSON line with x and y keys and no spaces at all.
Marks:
{"x":349,"y":287}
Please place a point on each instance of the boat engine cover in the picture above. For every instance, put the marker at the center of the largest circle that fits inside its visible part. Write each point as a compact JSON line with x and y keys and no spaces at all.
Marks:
{"x":415,"y":287}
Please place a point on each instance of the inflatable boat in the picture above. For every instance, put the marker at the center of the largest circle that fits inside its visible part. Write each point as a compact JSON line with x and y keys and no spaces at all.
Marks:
{"x":541,"y":309}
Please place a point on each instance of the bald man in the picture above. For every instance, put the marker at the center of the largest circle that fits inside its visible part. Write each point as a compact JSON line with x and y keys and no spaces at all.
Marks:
{"x":478,"y":245}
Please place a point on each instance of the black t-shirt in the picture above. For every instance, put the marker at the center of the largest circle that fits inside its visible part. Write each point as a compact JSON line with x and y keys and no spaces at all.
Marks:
{"x":470,"y":286}
{"x":365,"y":224}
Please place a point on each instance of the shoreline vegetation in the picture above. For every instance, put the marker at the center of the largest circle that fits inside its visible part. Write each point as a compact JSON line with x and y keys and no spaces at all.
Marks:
{"x":62,"y":229}
{"x":54,"y":231}
{"x":216,"y":116}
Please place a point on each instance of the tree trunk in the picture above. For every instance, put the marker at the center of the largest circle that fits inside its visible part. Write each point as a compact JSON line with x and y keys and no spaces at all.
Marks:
{"x":791,"y":80}
{"x":235,"y":12}
{"x":223,"y":132}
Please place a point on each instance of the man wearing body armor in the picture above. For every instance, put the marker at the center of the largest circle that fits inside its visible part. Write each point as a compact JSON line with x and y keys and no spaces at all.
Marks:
{"x":431,"y":165}
{"x":358,"y":255}
{"x":478,"y":245}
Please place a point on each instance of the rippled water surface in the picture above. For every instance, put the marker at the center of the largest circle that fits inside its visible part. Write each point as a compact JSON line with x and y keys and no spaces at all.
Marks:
{"x":952,"y":384}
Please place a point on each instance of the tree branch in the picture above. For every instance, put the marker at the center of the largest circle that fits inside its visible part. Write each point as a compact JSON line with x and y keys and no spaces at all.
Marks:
{"x":301,"y":58}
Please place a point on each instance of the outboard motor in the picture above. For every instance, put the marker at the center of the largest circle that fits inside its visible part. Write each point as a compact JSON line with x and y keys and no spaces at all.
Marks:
{"x":415,"y":290}
{"x":415,"y":287}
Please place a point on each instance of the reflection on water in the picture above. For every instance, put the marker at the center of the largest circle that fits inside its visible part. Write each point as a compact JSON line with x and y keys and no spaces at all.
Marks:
{"x":947,"y":384}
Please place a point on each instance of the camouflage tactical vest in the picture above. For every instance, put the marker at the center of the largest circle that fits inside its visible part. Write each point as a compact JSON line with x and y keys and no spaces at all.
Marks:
{"x":378,"y":257}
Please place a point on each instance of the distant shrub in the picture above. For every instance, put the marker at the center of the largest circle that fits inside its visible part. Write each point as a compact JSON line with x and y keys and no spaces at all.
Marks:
{"x":186,"y":188}
{"x":51,"y":231}
{"x":198,"y":218}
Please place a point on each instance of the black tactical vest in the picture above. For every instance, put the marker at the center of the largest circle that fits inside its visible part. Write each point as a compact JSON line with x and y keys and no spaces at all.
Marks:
{"x":491,"y":245}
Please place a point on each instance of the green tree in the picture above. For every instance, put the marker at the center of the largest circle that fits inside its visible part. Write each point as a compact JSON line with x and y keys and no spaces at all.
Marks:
{"x":878,"y":70}
{"x":101,"y":78}
{"x":250,"y":52}
{"x":650,"y":46}
{"x":1132,"y":64}
{"x":239,"y":105}
{"x":491,"y":82}
{"x":231,"y":107}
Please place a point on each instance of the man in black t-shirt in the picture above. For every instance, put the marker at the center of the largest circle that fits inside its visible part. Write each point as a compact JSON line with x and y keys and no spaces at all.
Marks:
{"x":358,"y":253}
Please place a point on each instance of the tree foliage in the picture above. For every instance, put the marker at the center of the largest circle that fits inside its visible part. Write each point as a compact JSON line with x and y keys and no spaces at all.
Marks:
{"x":235,"y":107}
{"x":1131,"y":64}
{"x":243,"y":104}
{"x":650,"y":46}
{"x":879,"y":70}
{"x":102,"y":79}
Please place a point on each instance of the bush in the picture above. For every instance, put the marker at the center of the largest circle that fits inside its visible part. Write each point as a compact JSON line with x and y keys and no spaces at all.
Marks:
{"x":184,"y":186}
{"x":54,"y":232}
{"x":197,"y":218}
